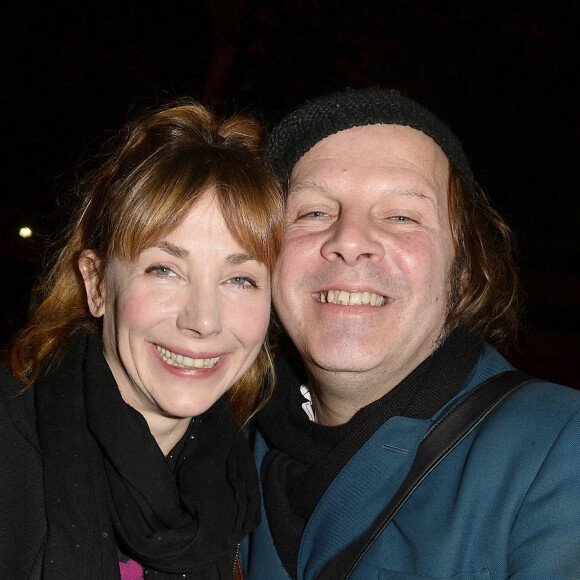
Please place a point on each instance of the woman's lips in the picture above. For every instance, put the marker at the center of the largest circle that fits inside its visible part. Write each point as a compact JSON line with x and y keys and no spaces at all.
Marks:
{"x":186,"y":362}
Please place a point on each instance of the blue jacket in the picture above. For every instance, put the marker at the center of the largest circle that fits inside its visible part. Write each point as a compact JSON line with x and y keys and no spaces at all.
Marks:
{"x":504,"y":504}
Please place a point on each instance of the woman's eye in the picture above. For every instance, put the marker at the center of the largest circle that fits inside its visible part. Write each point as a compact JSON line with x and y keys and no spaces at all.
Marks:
{"x":243,"y":282}
{"x":162,"y":271}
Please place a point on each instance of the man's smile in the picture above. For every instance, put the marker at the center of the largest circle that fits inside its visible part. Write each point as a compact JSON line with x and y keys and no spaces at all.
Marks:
{"x":346,"y":298}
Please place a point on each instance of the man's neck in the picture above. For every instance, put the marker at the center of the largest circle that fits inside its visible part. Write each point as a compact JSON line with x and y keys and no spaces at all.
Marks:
{"x":331,"y":417}
{"x":339,"y":395}
{"x":338,"y":398}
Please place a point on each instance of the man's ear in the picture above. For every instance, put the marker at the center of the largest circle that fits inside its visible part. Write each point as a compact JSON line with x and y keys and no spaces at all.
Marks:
{"x":91,"y":269}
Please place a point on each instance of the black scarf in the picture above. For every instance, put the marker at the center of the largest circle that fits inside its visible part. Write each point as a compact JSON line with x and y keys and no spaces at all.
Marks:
{"x":108,"y":485}
{"x":305,"y":457}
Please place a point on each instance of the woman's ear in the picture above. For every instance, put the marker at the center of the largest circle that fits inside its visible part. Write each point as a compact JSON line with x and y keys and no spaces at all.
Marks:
{"x":91,"y":269}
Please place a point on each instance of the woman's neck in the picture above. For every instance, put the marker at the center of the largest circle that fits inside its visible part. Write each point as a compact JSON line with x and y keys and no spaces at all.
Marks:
{"x":168,"y":431}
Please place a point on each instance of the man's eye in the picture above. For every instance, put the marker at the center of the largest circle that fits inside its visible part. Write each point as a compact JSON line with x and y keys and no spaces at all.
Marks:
{"x":312,"y":214}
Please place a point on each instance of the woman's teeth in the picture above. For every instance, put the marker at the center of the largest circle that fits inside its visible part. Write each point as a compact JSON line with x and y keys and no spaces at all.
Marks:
{"x":178,"y":360}
{"x":352,"y":298}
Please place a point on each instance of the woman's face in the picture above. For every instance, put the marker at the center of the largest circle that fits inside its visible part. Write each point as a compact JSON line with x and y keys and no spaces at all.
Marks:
{"x":186,"y":319}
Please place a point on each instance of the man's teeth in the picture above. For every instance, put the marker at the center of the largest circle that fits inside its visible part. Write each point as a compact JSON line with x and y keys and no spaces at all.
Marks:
{"x":178,"y":360}
{"x":352,"y":298}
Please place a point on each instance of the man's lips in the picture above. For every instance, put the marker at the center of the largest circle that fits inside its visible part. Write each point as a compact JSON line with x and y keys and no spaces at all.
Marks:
{"x":345,"y":298}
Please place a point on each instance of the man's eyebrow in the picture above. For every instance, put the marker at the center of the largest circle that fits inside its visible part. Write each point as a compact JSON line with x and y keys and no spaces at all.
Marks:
{"x":307,"y":186}
{"x":410,"y":193}
{"x":299,"y":188}
{"x":239,"y":258}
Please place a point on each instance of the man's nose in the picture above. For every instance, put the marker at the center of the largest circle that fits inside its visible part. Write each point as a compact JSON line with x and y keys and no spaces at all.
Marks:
{"x":200,"y":312}
{"x":352,"y":238}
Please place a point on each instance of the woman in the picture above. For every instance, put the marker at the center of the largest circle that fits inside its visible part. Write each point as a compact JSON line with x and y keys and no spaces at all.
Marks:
{"x":120,"y":457}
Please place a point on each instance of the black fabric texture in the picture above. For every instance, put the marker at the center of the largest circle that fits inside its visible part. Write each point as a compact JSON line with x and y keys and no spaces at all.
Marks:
{"x":301,"y":129}
{"x":22,"y":520}
{"x":305,"y":457}
{"x":107,"y":482}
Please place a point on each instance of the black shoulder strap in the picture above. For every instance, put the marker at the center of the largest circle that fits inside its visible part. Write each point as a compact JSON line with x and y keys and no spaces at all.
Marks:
{"x":442,"y":437}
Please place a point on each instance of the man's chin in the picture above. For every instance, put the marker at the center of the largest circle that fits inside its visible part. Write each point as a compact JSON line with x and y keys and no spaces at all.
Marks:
{"x":338,"y":364}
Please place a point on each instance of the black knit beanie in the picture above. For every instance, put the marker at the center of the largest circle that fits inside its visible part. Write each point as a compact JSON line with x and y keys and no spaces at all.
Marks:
{"x":300,"y":130}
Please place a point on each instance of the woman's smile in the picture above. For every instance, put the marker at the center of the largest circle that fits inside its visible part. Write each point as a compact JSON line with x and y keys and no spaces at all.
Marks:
{"x":182,"y":361}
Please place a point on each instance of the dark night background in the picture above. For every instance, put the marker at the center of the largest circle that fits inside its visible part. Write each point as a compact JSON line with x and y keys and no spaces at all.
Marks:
{"x":503,"y":75}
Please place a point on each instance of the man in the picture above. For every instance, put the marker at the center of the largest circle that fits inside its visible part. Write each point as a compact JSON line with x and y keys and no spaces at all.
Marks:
{"x":394,"y":280}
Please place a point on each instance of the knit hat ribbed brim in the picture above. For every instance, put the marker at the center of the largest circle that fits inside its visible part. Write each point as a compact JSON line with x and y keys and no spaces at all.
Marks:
{"x":300,"y":130}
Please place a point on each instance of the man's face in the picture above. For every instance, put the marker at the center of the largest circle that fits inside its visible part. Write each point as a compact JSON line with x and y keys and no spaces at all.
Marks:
{"x":361,"y":284}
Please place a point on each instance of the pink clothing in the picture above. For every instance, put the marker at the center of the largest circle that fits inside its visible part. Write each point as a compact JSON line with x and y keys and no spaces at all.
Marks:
{"x":130,"y":570}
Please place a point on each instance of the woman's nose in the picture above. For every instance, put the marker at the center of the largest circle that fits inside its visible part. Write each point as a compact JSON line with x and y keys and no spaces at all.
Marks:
{"x":200,"y":312}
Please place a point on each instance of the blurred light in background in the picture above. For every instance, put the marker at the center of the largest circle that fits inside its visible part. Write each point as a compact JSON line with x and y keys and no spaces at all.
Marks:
{"x":25,"y":232}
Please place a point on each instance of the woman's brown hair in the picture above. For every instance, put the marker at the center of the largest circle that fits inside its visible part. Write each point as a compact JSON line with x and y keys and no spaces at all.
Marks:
{"x":153,"y":173}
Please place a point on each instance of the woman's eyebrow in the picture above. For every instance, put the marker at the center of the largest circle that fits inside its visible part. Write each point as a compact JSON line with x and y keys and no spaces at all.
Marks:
{"x":177,"y":251}
{"x":181,"y":252}
{"x":239,"y":258}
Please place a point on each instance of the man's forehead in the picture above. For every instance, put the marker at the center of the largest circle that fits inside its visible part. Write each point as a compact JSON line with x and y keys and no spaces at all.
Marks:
{"x":372,"y":149}
{"x":378,"y":134}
